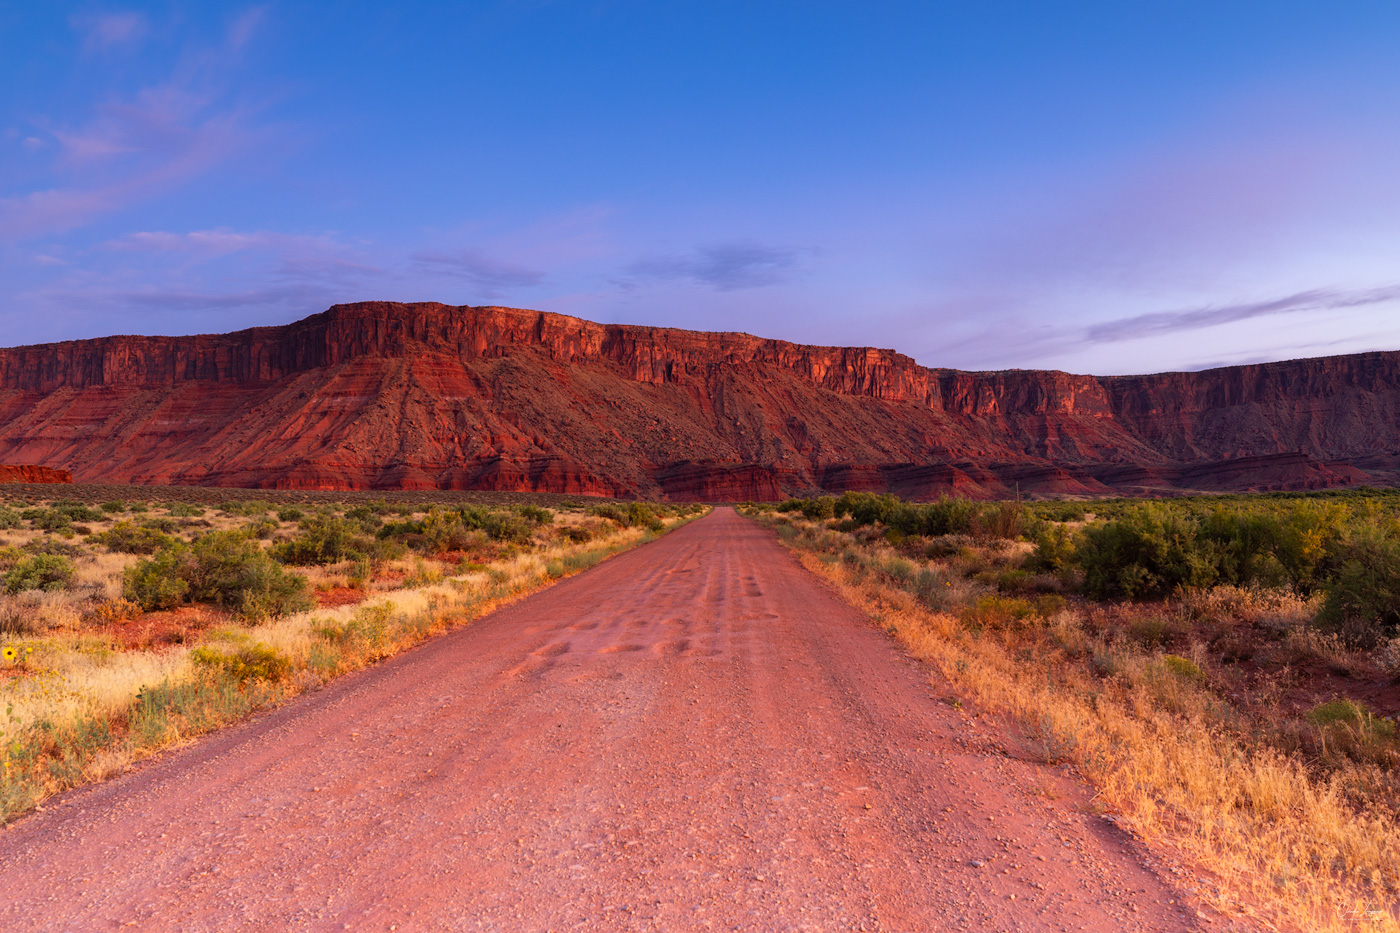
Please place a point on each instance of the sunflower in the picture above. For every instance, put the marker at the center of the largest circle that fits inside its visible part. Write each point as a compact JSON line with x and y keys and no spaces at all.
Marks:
{"x":9,"y":652}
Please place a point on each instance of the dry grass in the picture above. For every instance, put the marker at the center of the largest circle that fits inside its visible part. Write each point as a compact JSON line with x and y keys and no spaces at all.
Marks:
{"x":80,"y":704}
{"x":1297,"y":845}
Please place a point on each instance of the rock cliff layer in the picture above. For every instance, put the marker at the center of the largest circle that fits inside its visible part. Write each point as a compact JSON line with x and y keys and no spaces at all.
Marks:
{"x":380,"y":395}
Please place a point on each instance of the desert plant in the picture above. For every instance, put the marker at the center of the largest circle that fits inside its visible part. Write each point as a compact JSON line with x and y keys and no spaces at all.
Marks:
{"x":127,"y":537}
{"x":48,"y":572}
{"x":250,"y":662}
{"x":226,"y":568}
{"x":1363,"y":598}
{"x":158,"y":583}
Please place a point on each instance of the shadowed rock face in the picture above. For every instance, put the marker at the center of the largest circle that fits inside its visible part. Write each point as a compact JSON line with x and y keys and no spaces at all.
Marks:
{"x":380,"y":395}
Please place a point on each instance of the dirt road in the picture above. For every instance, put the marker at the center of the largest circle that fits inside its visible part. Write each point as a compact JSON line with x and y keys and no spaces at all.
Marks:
{"x":695,"y":735}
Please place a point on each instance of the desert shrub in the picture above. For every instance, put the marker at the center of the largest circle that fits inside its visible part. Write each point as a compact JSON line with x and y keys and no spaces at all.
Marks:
{"x":77,"y":512}
{"x":250,"y":662}
{"x":48,"y":572}
{"x":323,"y":539}
{"x":127,"y":537}
{"x":52,"y":546}
{"x":290,"y":513}
{"x":1181,"y":667}
{"x":184,"y":510}
{"x":226,"y":568}
{"x":263,"y":527}
{"x":162,"y":524}
{"x":9,"y":518}
{"x":534,"y":513}
{"x":453,"y":531}
{"x":609,"y":511}
{"x":995,"y":611}
{"x":1346,"y":728}
{"x":1060,"y":511}
{"x":820,"y":508}
{"x":577,"y":534}
{"x":113,"y":506}
{"x":231,"y":570}
{"x":50,"y":520}
{"x":1363,"y":597}
{"x":1054,"y":550}
{"x":1148,"y":552}
{"x":158,"y":583}
{"x":367,"y":517}
{"x":246,"y":509}
{"x":642,"y":515}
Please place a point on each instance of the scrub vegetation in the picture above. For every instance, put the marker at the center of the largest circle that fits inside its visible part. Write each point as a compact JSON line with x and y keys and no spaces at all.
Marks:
{"x":129,"y":626}
{"x":1225,"y":669}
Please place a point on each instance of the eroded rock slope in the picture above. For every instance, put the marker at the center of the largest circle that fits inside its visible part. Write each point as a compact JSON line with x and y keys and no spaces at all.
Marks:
{"x":386,"y":395}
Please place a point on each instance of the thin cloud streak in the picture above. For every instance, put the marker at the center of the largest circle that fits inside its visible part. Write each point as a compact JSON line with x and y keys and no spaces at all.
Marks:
{"x":1165,"y":322}
{"x":724,"y":267}
{"x":112,"y":29}
{"x":479,"y":269}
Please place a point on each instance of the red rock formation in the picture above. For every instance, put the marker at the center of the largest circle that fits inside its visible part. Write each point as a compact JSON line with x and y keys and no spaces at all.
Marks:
{"x":29,"y":473}
{"x":380,"y":395}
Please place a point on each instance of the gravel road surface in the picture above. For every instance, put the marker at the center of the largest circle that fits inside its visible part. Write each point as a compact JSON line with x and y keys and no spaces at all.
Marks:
{"x":695,"y":735}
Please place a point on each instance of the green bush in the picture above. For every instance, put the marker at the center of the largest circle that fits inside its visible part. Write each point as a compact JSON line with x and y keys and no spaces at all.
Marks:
{"x":323,"y":539}
{"x":9,"y":518}
{"x":77,"y":512}
{"x":126,"y":537}
{"x":290,"y":513}
{"x":1149,"y":552}
{"x":48,"y":572}
{"x":184,"y":510}
{"x":1363,"y":597}
{"x":114,"y":506}
{"x":535,"y":514}
{"x":158,"y":583}
{"x":226,"y":568}
{"x":50,"y":520}
{"x":1054,"y":550}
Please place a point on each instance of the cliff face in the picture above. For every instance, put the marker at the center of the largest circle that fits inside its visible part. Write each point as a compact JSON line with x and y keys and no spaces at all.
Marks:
{"x":382,"y":395}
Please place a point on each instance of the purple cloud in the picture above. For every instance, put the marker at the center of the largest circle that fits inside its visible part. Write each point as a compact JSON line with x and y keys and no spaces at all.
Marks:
{"x":110,"y":29}
{"x":480,"y":270}
{"x":726,"y":267}
{"x":1163,"y":322}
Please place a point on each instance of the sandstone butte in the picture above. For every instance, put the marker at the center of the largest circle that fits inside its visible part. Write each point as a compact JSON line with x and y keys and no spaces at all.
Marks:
{"x":380,"y":395}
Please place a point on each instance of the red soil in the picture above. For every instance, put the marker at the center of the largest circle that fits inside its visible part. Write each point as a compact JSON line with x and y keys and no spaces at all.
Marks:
{"x":694,"y":735}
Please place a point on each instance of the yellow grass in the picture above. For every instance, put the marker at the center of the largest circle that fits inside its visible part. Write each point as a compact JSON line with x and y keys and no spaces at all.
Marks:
{"x":71,"y":677}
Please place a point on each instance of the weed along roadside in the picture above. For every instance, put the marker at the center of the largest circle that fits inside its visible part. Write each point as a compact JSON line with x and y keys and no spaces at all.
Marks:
{"x":130,"y":627}
{"x":1224,"y":670}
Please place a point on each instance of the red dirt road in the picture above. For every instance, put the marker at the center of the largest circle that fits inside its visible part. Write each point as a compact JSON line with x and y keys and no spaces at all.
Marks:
{"x":695,"y":735}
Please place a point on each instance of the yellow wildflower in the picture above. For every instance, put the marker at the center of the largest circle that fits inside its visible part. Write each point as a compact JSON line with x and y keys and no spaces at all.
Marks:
{"x":9,"y":652}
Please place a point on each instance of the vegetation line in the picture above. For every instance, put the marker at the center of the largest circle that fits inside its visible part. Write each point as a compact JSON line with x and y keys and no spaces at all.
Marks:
{"x":1219,"y":712}
{"x":132,"y":628}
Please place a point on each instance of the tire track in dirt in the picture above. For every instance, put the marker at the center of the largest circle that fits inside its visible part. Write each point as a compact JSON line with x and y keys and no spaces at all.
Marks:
{"x":694,"y":735}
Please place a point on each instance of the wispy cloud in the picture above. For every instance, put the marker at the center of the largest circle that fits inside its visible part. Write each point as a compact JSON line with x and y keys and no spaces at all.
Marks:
{"x":136,"y":146}
{"x":219,"y":242}
{"x":726,"y":267}
{"x":479,"y":269}
{"x":1164,"y":322}
{"x":110,"y":29}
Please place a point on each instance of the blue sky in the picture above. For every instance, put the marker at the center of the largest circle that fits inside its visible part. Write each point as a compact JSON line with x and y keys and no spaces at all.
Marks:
{"x":1098,"y":187}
